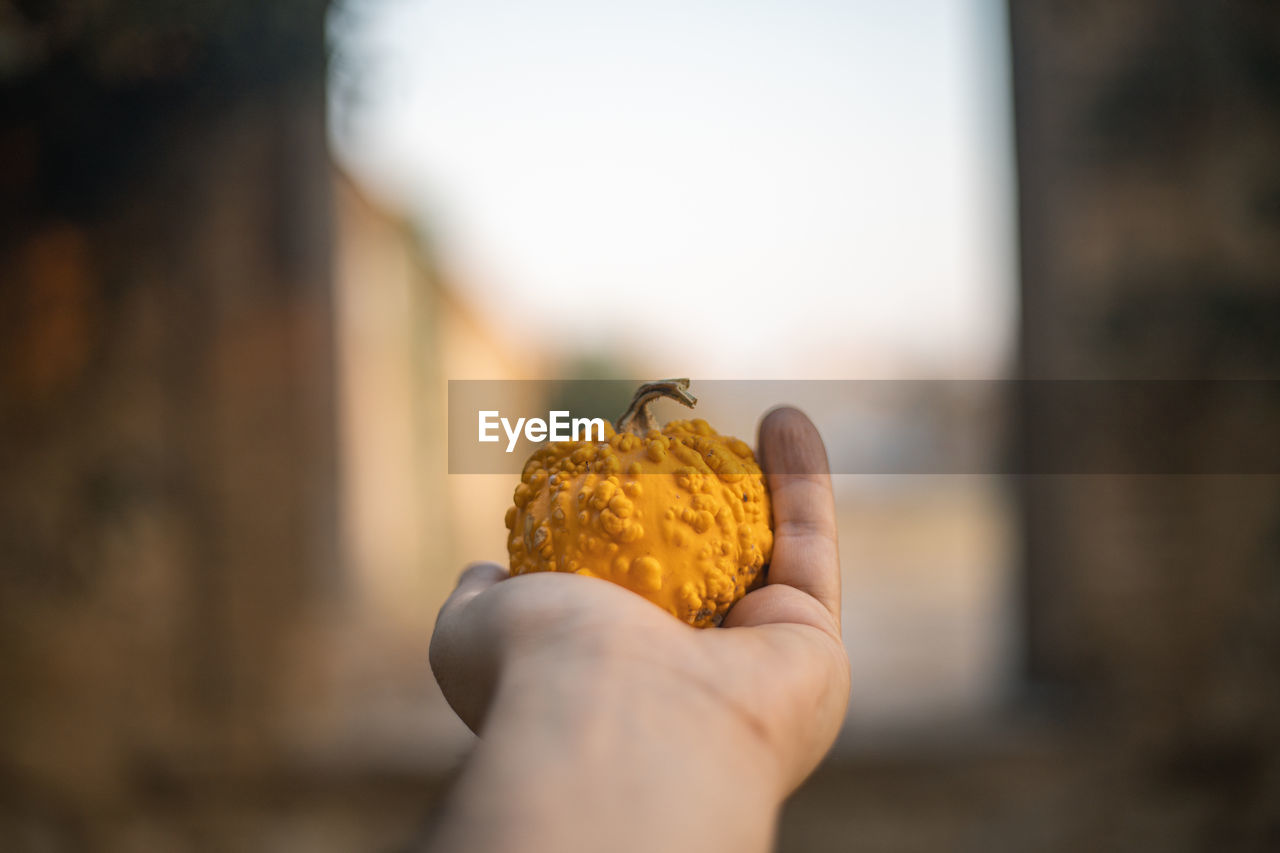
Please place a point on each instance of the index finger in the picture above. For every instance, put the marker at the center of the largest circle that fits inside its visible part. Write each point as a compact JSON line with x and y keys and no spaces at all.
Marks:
{"x":804,"y":513}
{"x":475,"y":579}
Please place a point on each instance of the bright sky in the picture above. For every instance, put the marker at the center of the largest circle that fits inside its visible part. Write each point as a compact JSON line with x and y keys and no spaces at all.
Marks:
{"x":785,"y":189}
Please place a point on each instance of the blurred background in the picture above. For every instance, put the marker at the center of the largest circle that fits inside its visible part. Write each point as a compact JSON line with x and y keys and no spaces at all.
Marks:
{"x":245,"y":246}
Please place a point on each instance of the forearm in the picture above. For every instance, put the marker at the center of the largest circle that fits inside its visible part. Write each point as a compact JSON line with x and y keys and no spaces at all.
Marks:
{"x":611,"y":764}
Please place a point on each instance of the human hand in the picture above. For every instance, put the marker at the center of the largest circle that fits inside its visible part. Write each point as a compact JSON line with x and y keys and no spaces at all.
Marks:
{"x":550,"y":664}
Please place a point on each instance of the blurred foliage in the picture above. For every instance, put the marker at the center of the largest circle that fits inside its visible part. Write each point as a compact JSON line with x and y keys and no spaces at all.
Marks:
{"x":597,"y":386}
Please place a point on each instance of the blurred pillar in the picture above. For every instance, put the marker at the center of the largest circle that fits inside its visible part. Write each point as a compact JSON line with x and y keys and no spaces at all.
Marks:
{"x":1148,"y":138}
{"x":166,"y":421}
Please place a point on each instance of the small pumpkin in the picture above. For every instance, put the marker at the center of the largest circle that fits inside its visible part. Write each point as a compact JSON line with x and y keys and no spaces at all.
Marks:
{"x":678,"y":514}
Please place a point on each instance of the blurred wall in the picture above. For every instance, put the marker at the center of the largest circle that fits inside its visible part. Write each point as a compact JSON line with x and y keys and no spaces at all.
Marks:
{"x":1149,"y":164}
{"x":167,"y":509}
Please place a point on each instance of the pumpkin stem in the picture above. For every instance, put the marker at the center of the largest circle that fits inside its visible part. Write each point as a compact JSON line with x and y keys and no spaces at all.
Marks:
{"x":638,"y":419}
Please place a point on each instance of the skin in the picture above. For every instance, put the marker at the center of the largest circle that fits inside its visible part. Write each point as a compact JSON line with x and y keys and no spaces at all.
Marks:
{"x":606,"y":724}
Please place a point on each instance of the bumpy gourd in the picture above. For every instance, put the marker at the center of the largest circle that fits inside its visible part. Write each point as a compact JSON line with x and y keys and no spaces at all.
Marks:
{"x":678,"y":514}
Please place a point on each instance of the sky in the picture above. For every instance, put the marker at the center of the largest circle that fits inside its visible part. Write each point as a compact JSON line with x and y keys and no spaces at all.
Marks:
{"x":787,"y":189}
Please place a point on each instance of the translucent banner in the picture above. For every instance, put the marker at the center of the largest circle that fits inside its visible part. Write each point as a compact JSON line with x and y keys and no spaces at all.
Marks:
{"x":906,"y":427}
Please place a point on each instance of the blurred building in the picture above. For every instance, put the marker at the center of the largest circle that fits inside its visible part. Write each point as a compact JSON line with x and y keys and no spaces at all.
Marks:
{"x":226,"y":521}
{"x":408,"y":527}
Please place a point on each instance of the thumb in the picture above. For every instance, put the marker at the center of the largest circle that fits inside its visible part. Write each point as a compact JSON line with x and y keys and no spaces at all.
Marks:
{"x":804,"y":570}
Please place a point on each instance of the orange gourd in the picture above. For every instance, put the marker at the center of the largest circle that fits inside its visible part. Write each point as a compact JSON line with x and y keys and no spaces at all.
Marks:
{"x":678,"y":514}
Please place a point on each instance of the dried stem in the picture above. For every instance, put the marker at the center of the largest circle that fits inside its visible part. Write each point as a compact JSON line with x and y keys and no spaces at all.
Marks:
{"x":638,"y":419}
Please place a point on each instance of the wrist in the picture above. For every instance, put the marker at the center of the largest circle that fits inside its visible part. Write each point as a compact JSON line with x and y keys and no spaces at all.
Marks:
{"x":649,"y":758}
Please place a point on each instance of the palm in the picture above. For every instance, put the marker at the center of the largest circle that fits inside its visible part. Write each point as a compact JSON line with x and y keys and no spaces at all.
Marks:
{"x":777,"y":665}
